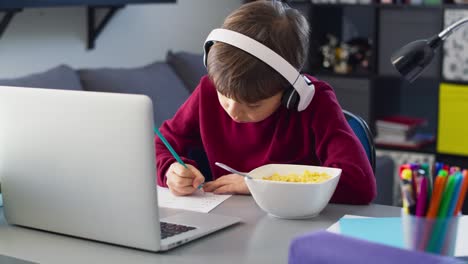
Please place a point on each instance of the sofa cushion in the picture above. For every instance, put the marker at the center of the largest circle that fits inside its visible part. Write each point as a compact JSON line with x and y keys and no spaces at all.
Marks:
{"x":157,"y":80}
{"x":60,"y":77}
{"x":188,"y":66}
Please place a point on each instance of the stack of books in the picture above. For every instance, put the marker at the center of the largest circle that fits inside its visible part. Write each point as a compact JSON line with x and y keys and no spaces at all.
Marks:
{"x":401,"y":131}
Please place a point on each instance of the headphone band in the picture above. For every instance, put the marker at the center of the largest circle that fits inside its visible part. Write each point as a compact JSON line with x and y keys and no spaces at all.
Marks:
{"x":269,"y":57}
{"x":256,"y":49}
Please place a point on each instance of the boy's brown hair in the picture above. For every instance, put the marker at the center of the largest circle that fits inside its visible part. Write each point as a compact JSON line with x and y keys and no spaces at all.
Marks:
{"x":241,"y":76}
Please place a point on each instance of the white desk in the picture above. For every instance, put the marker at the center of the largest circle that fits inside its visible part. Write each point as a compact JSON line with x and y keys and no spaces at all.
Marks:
{"x":259,"y":239}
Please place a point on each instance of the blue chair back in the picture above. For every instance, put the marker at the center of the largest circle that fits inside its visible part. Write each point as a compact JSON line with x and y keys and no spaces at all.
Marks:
{"x":363,"y":133}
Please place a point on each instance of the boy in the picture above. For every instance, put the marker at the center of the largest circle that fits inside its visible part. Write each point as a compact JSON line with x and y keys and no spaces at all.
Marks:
{"x":236,"y":115}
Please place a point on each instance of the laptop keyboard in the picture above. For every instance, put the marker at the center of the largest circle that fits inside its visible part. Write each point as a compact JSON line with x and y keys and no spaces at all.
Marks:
{"x":168,"y":230}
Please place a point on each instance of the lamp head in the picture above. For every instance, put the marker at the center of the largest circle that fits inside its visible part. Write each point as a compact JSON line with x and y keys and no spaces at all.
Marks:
{"x":413,"y":58}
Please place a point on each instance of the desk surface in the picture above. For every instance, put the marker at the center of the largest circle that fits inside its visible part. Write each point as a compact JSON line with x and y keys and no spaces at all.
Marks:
{"x":260,"y":238}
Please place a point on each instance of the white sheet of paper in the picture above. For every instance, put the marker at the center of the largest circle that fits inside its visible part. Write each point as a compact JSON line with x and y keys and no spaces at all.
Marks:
{"x":461,"y":248}
{"x":200,"y":201}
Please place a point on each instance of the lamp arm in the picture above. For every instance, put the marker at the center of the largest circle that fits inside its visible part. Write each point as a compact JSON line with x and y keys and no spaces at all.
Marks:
{"x":450,"y":29}
{"x":414,"y":57}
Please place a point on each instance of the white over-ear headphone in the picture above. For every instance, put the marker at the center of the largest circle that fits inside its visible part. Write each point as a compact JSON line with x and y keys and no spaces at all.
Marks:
{"x":301,"y":92}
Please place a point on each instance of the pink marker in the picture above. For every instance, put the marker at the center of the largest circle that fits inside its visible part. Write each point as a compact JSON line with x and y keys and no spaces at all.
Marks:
{"x":421,"y":202}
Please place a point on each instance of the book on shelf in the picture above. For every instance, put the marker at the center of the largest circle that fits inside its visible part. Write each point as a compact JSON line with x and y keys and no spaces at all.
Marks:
{"x":400,"y":123}
{"x":396,"y":134}
{"x":415,"y":142}
{"x":401,"y":131}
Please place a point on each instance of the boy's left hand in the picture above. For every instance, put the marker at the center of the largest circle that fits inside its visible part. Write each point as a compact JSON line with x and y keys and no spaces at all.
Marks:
{"x":227,"y":184}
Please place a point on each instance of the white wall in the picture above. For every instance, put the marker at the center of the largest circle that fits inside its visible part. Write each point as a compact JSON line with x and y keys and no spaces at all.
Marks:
{"x":38,"y":39}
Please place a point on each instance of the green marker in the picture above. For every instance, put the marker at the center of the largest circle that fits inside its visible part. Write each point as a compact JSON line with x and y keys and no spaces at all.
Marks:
{"x":430,"y":180}
{"x":448,"y":193}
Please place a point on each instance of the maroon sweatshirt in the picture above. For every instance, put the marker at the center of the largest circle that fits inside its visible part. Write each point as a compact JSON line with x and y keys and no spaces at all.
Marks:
{"x":319,"y":135}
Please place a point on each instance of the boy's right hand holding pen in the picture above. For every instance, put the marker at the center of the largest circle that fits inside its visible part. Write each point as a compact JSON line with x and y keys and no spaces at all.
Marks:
{"x":183,"y":180}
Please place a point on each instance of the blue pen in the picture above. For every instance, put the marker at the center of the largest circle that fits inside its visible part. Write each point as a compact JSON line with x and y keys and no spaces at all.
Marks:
{"x":174,"y":154}
{"x":438,"y":166}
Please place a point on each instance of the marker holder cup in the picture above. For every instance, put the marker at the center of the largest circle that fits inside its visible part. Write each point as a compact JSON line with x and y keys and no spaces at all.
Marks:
{"x":434,"y":235}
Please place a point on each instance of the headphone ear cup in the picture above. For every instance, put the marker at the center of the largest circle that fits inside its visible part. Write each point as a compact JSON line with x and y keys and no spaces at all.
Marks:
{"x":290,"y":98}
{"x":206,"y":49}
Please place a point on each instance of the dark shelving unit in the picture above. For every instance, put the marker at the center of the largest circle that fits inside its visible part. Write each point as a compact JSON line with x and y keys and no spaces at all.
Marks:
{"x":380,"y":91}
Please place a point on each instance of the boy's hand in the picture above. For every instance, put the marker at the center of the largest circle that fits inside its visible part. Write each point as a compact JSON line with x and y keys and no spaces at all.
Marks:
{"x":183,"y":181}
{"x":231,"y":183}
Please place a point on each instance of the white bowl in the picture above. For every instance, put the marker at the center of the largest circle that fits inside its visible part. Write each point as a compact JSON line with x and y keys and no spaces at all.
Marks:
{"x":291,"y":200}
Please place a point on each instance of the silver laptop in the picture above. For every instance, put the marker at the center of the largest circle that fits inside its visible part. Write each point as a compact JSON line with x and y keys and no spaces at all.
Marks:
{"x":83,"y":164}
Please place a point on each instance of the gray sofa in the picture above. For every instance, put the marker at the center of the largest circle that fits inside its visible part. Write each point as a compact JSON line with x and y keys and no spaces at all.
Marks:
{"x":168,"y":83}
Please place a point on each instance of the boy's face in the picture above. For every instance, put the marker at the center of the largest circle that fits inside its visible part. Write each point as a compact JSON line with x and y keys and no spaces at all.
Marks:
{"x":250,"y":112}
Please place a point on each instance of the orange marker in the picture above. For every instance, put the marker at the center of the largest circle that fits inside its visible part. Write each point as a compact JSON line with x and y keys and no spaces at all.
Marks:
{"x":436,"y":196}
{"x":461,"y":197}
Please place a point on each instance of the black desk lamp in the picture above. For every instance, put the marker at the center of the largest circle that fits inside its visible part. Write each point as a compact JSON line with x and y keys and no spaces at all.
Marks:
{"x":413,"y":58}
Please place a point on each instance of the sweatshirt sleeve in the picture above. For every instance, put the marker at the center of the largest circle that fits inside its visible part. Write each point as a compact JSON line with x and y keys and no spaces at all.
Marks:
{"x":182,"y":132}
{"x":337,"y":146}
